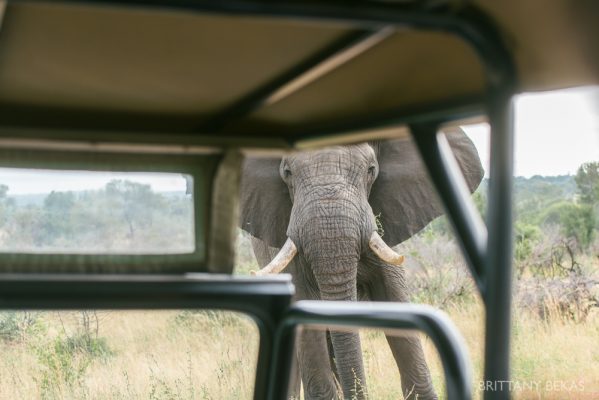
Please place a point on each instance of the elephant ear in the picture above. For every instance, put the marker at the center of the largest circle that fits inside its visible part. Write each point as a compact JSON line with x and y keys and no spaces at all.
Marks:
{"x":403,"y":197}
{"x":265,"y":202}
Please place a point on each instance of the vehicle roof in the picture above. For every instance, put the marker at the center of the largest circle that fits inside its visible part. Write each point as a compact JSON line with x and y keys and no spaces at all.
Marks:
{"x":108,"y":67}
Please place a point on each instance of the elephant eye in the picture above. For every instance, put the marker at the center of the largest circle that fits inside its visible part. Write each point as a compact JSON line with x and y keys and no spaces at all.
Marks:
{"x":371,"y":170}
{"x":287,"y":172}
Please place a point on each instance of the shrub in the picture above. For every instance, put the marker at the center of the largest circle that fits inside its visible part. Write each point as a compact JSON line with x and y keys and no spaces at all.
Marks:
{"x":570,"y":299}
{"x":16,"y":326}
{"x":436,"y":273}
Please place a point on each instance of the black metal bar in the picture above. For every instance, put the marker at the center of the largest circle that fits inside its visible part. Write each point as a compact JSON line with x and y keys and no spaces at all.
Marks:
{"x":434,"y":323}
{"x":336,"y":54}
{"x":447,"y":177}
{"x":499,"y":253}
{"x":265,"y":300}
{"x":302,"y":136}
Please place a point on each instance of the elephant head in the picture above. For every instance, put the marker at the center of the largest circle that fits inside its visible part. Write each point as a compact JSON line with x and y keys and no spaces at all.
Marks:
{"x":321,"y":208}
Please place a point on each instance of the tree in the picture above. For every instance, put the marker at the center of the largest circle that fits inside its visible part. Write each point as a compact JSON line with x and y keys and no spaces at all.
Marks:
{"x":6,"y":205}
{"x":587,"y":182}
{"x":525,"y":237}
{"x":57,"y":216}
{"x":135,"y":202}
{"x":575,"y":220}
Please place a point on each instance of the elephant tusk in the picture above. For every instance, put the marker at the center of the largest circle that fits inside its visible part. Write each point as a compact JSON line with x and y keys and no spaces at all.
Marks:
{"x":385,"y":253}
{"x":281,"y":260}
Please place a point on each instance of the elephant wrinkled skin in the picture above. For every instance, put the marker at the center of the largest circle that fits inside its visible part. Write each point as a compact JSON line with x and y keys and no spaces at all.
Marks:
{"x":325,"y":203}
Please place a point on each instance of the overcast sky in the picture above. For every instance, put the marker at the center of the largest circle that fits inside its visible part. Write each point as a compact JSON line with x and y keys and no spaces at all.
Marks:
{"x":42,"y":181}
{"x":555,"y":133}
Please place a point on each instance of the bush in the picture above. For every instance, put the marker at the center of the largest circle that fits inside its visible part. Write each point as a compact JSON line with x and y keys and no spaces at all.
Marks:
{"x":570,"y":299}
{"x":577,"y":221}
{"x":64,"y":362}
{"x":436,"y":273}
{"x":16,"y":326}
{"x":526,"y":236}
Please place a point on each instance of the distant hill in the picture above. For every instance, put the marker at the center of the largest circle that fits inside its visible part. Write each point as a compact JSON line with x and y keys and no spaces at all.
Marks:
{"x":533,"y":196}
{"x":562,"y":186}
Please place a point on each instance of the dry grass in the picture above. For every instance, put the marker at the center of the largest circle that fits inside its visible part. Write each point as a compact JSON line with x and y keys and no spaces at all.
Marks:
{"x":550,"y":359}
{"x":207,"y":355}
{"x":185,"y":355}
{"x":153,"y":355}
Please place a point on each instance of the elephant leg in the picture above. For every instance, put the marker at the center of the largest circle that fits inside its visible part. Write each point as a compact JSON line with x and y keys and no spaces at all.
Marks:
{"x":332,"y":363}
{"x":295,"y":381}
{"x":387,"y":283}
{"x":313,"y":358}
{"x":317,"y":376}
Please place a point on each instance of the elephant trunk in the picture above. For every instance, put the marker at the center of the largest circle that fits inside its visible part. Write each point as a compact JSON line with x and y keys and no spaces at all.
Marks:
{"x":346,"y":345}
{"x":332,"y":245}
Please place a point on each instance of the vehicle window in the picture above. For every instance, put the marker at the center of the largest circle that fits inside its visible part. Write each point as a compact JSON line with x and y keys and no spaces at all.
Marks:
{"x":90,"y":212}
{"x":178,"y":354}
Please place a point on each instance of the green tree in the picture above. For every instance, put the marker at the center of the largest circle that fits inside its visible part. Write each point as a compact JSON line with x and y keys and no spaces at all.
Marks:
{"x":576,"y":220}
{"x":135,"y":203}
{"x":57,"y":216}
{"x":6,"y":205}
{"x":526,"y":236}
{"x":587,"y":183}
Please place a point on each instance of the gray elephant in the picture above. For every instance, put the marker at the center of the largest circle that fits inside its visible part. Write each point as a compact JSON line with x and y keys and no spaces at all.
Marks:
{"x":319,"y":209}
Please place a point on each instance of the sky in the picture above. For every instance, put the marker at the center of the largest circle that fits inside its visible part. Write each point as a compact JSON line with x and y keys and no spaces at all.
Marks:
{"x":44,"y":181}
{"x":555,"y":133}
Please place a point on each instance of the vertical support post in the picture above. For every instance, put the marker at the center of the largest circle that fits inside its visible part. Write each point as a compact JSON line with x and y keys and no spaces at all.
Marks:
{"x":499,"y":261}
{"x":282,"y":362}
{"x":225,"y":213}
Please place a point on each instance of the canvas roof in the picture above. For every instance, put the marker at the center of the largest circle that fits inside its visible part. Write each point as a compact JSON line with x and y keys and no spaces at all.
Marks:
{"x":107,"y":70}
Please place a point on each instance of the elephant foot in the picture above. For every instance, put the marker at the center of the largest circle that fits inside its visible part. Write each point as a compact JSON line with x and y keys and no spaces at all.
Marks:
{"x":414,"y":393}
{"x":320,"y":389}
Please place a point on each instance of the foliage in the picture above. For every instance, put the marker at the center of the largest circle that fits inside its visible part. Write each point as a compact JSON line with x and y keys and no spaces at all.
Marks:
{"x":577,"y":221}
{"x":64,"y":362}
{"x":6,"y":204}
{"x":524,"y":238}
{"x":18,"y":326}
{"x":436,"y":271}
{"x":587,"y":182}
{"x":570,"y":299}
{"x":65,"y":359}
{"x":124,"y":216}
{"x":532,"y":196}
{"x":555,"y":245}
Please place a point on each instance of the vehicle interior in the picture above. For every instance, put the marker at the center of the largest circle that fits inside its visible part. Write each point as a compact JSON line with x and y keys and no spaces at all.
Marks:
{"x":192,"y":87}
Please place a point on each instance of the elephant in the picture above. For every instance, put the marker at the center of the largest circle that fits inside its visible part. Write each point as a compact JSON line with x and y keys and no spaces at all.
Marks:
{"x":320,"y":209}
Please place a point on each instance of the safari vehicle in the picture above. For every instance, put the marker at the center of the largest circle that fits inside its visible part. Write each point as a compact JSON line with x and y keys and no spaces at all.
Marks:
{"x":191,"y":86}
